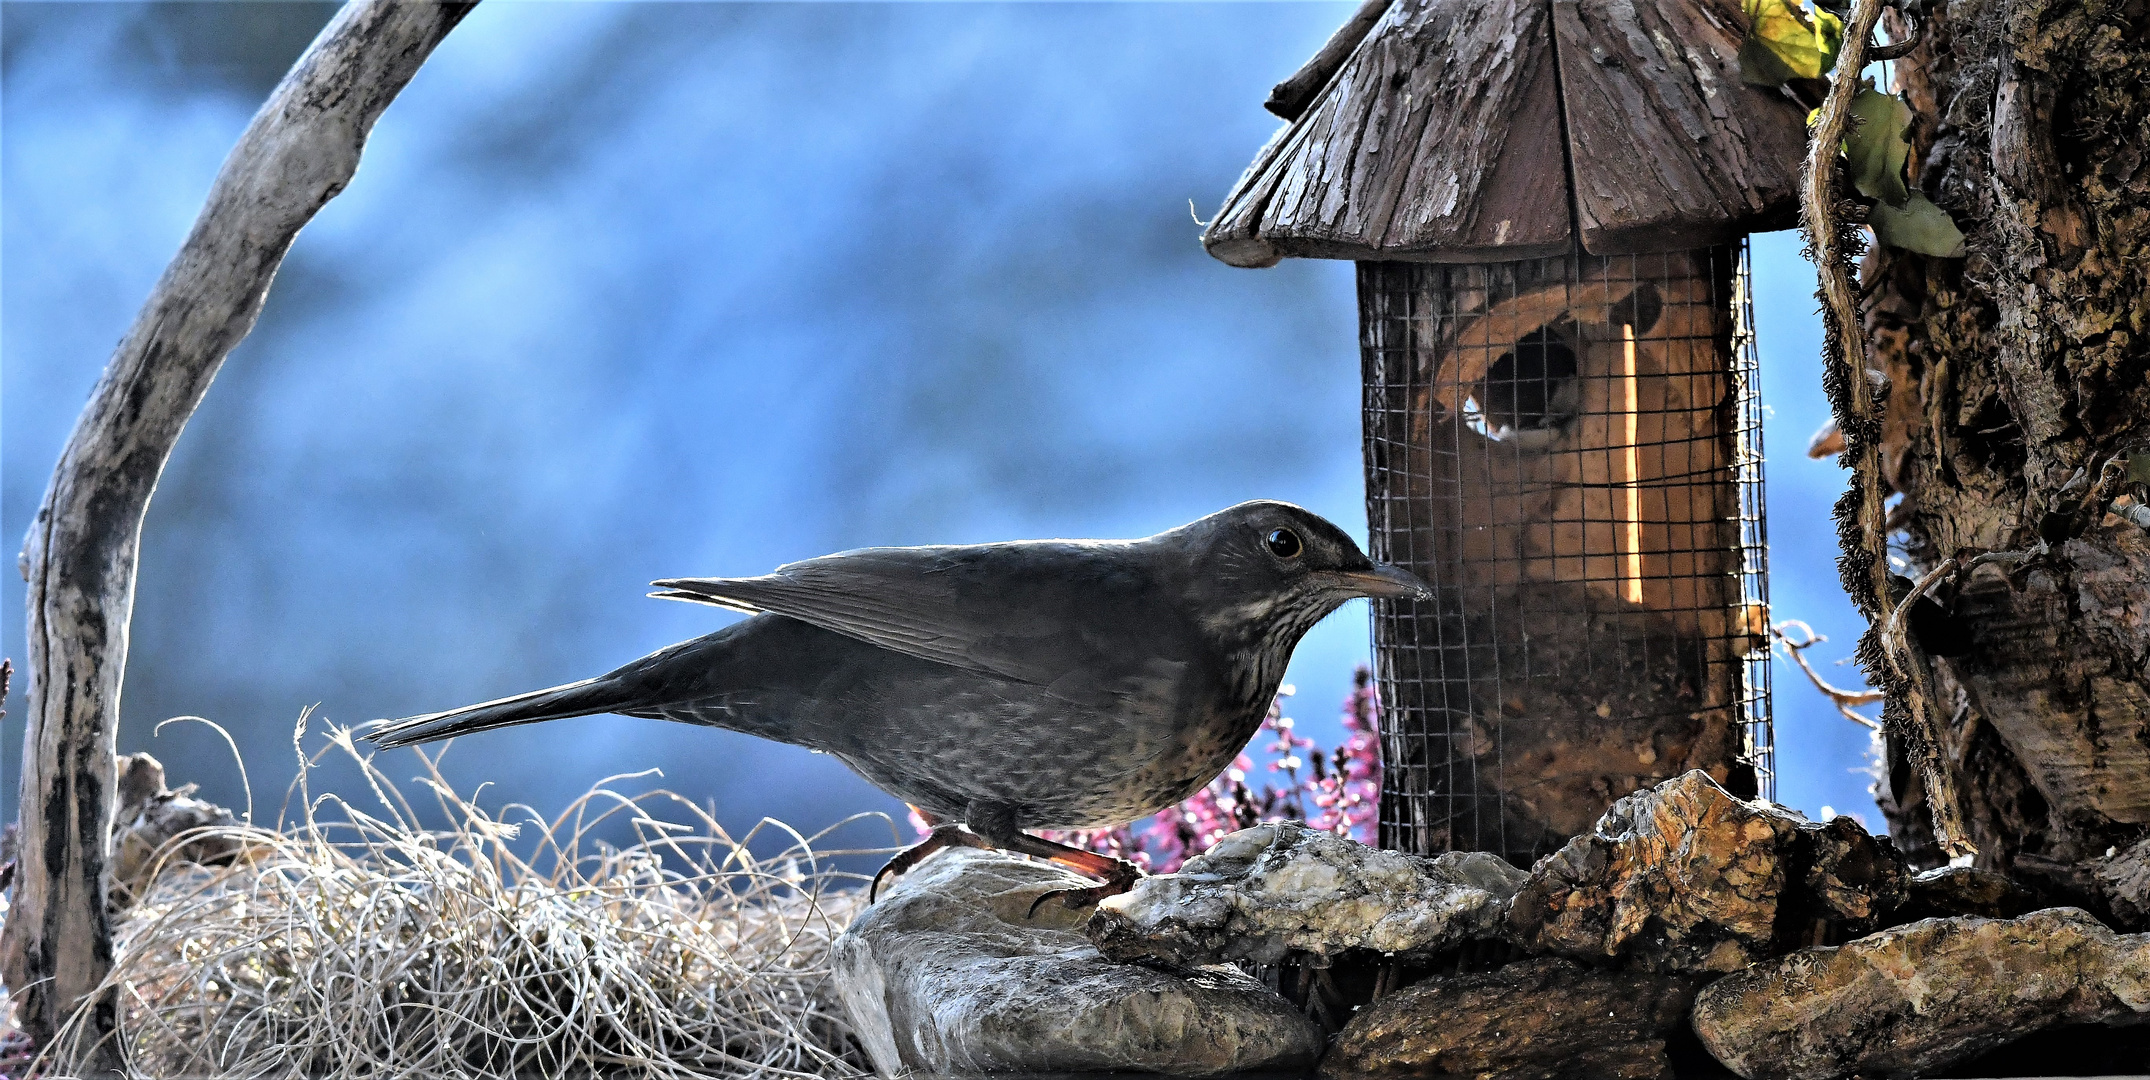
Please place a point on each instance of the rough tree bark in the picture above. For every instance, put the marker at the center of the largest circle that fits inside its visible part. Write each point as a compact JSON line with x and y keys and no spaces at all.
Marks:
{"x":300,"y":150}
{"x":2015,"y":375}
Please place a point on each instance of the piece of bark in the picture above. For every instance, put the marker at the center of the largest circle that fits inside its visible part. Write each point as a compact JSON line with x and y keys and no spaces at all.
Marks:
{"x":1913,"y":1000}
{"x":300,"y":150}
{"x":950,"y":973}
{"x":1541,"y":1019}
{"x":151,"y":818}
{"x":1844,"y":882}
{"x":2124,"y":883}
{"x":1284,"y":891}
{"x":1949,"y":891}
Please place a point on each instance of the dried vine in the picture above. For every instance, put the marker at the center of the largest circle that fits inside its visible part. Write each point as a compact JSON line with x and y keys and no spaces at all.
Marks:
{"x":1829,"y":218}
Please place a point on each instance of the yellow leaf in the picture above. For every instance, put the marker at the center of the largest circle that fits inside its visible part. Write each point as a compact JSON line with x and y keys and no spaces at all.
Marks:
{"x":1784,"y":44}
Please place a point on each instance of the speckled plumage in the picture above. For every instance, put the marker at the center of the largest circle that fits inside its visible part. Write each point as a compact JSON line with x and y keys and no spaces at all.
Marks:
{"x":1023,"y":685}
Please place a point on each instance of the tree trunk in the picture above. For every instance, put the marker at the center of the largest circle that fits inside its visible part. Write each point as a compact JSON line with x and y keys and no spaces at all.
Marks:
{"x":2015,"y":375}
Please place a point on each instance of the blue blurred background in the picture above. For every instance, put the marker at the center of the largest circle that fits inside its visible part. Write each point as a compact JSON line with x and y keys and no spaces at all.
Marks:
{"x":628,"y":291}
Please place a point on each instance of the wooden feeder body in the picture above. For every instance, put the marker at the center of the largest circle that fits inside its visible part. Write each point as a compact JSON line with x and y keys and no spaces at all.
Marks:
{"x":1547,"y":200}
{"x":1564,"y":448}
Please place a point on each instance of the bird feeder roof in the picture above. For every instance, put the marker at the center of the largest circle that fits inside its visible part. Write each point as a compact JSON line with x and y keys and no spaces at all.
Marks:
{"x":1491,"y":130}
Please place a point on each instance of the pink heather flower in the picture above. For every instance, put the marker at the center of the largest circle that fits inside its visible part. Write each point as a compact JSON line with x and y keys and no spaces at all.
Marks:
{"x":1338,"y":791}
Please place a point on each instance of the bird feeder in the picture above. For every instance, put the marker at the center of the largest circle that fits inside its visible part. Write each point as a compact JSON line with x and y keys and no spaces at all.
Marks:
{"x":1548,"y":202}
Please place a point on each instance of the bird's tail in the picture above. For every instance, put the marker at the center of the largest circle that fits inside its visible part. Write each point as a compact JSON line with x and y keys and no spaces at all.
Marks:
{"x":590,"y":696}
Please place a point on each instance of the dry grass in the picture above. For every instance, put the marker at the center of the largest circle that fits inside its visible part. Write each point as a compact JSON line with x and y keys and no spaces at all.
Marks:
{"x":355,"y":944}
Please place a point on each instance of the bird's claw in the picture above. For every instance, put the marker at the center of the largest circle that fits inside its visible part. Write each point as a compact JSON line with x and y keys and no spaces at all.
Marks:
{"x":1085,"y":897}
{"x":942,"y":836}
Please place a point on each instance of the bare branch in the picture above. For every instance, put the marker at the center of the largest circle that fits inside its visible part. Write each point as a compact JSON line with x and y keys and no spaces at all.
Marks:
{"x":1843,"y":699}
{"x":301,"y":149}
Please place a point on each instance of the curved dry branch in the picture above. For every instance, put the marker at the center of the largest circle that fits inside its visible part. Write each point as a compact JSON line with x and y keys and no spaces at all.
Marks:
{"x":296,"y":155}
{"x":1846,"y":701}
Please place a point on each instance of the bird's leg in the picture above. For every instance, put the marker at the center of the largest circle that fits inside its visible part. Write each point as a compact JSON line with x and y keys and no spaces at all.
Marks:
{"x":996,"y":822}
{"x":1119,"y":875}
{"x":942,"y":836}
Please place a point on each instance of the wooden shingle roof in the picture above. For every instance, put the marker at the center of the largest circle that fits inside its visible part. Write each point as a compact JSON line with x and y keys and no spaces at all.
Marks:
{"x":1488,"y":130}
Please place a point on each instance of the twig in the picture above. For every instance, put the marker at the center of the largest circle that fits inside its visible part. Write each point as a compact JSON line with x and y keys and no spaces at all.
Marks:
{"x":1897,"y":50}
{"x":1902,"y":647}
{"x":300,"y":150}
{"x":1843,"y":699}
{"x":1289,"y":99}
{"x":1911,"y":664}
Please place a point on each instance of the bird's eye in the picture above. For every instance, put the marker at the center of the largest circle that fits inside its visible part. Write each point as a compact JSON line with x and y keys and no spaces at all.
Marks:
{"x":1284,"y":543}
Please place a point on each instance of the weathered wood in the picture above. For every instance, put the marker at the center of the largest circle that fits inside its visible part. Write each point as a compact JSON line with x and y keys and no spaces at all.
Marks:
{"x":1439,"y":139}
{"x":300,"y":150}
{"x":1290,"y":98}
{"x":1448,"y":132}
{"x":1670,"y":149}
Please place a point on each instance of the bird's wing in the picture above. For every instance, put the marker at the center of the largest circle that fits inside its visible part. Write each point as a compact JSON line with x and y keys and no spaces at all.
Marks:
{"x":1081,"y":619}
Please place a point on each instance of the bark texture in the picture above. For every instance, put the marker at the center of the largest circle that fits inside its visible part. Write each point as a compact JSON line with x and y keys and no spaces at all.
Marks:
{"x":2015,"y":375}
{"x":1912,"y":1001}
{"x":300,"y":150}
{"x":1543,"y":1019}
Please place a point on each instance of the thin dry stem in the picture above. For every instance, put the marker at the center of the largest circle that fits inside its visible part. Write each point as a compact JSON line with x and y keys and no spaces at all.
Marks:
{"x":1844,"y":700}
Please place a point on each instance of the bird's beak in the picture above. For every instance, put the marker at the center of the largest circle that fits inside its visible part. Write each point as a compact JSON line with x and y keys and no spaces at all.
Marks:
{"x":1384,"y":582}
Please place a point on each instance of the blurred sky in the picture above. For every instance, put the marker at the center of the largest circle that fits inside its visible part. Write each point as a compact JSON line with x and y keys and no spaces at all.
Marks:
{"x":628,"y":291}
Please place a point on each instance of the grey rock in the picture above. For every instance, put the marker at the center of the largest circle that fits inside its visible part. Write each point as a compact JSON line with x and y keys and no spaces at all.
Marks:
{"x":1283,"y":890}
{"x":947,"y":975}
{"x":1914,"y":999}
{"x":151,"y":816}
{"x":1680,"y":877}
{"x":1543,"y":1019}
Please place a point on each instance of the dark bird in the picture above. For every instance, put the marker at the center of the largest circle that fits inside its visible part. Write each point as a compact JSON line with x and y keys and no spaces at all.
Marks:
{"x":1035,"y":684}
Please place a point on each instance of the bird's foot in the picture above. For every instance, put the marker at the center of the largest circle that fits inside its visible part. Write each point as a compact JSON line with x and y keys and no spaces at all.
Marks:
{"x":1118,"y":880}
{"x":1118,"y":875}
{"x":942,"y":836}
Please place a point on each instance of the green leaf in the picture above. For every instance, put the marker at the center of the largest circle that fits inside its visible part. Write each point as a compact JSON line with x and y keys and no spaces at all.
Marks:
{"x":1783,"y":44}
{"x":1917,"y":226}
{"x":1875,"y":146}
{"x":2138,"y":468}
{"x":1878,"y":155}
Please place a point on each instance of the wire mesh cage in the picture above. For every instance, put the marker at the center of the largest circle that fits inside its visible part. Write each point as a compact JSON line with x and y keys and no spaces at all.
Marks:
{"x":1568,"y":450}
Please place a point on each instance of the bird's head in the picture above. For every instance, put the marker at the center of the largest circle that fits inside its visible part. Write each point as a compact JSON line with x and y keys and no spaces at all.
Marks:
{"x":1265,"y":572}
